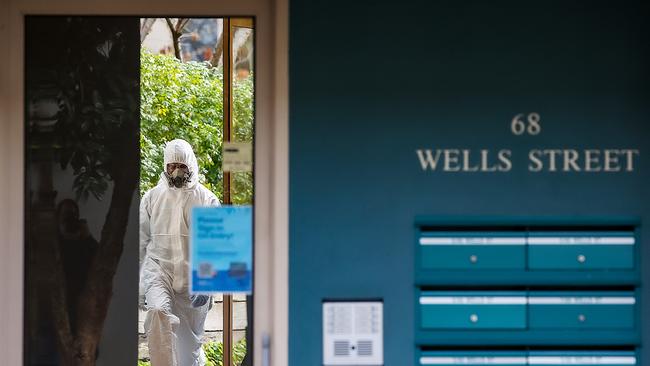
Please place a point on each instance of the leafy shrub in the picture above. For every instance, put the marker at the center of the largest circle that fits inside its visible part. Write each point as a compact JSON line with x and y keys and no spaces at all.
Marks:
{"x":185,"y":100}
{"x":214,"y":353}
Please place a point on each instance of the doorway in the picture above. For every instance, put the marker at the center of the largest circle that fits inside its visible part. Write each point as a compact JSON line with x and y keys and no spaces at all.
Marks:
{"x":88,"y":118}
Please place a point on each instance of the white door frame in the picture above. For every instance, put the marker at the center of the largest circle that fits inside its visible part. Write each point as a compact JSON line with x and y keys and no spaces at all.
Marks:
{"x":271,"y":155}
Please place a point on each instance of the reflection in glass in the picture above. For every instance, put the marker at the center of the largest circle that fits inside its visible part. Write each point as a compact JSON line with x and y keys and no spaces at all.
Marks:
{"x":243,"y":118}
{"x":81,"y":170}
{"x":243,"y":100}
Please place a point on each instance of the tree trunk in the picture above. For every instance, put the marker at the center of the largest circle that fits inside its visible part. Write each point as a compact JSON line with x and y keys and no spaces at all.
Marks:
{"x":79,"y":347}
{"x":176,"y":31}
{"x":177,"y":48}
{"x":216,"y":59}
{"x":78,"y":334}
{"x":96,"y":296}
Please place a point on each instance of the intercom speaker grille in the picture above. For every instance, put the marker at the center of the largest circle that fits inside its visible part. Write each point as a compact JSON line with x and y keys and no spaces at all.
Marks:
{"x":341,"y":348}
{"x":364,"y":348}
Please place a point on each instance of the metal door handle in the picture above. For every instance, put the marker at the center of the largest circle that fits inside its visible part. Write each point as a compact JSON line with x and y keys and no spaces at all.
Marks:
{"x":266,"y":350}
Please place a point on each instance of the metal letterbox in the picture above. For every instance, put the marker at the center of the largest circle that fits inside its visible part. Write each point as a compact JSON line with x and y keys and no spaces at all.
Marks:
{"x":453,"y":358}
{"x":472,"y":310}
{"x":600,"y":358}
{"x":581,"y":310}
{"x":467,"y":250}
{"x":581,"y":250}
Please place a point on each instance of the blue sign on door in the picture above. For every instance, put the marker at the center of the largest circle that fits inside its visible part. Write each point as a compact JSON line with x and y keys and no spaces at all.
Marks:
{"x":221,"y":240}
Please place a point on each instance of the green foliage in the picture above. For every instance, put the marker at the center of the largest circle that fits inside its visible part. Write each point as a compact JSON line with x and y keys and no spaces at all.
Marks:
{"x":97,"y":116}
{"x":243,"y":116}
{"x":239,"y":352}
{"x":180,"y":100}
{"x":185,"y":100}
{"x":243,"y":113}
{"x":214,"y":354}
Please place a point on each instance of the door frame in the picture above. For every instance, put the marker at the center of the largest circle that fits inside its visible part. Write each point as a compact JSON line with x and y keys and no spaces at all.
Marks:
{"x":271,"y":155}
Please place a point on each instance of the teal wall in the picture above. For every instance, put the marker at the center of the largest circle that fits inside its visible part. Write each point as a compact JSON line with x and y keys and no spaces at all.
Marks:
{"x":372,"y":81}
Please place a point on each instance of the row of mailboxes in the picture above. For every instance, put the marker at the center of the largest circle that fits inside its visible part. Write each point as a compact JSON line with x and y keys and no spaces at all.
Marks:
{"x":516,"y":358}
{"x":527,"y":286}
{"x":543,"y":250}
{"x":520,"y":310}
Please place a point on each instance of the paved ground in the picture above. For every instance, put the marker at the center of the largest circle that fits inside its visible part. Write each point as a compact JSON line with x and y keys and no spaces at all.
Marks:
{"x":213,"y":324}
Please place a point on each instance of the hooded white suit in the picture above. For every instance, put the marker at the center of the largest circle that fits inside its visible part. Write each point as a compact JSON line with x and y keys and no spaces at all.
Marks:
{"x":174,"y":328}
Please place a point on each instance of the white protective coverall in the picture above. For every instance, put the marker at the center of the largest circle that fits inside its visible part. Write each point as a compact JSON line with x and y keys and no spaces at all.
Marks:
{"x":174,"y":328}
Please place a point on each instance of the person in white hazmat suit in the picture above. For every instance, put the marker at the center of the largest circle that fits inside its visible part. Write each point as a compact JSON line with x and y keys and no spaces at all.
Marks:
{"x":175,"y":319}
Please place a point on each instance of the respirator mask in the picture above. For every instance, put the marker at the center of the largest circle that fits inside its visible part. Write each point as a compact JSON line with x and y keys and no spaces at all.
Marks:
{"x":178,"y":177}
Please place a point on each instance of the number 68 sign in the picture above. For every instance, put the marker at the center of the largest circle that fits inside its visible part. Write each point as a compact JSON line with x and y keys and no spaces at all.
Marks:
{"x":530,"y":126}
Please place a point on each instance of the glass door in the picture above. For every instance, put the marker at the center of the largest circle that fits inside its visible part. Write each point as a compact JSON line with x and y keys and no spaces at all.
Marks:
{"x":81,"y":179}
{"x":238,"y":184}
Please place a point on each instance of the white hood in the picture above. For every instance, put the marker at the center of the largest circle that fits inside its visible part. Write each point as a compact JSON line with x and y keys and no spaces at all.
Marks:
{"x":179,"y":151}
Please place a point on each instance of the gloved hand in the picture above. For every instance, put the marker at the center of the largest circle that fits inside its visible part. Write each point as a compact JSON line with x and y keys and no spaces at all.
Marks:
{"x":199,"y":300}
